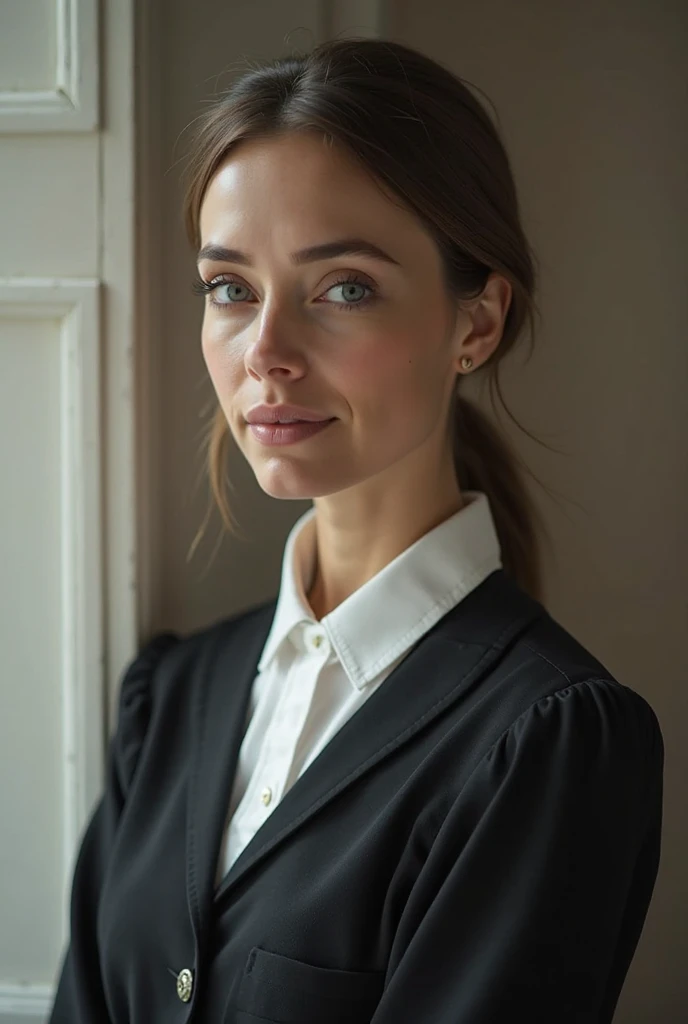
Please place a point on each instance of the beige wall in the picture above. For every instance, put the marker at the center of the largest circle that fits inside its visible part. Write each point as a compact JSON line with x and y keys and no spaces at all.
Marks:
{"x":593,"y":104}
{"x":593,"y":101}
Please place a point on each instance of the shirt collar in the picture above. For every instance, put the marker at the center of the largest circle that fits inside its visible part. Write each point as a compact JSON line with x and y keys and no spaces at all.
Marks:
{"x":384,"y":617}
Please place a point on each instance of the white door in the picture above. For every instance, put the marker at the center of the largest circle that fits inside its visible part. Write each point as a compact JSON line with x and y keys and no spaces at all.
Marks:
{"x":65,"y":215}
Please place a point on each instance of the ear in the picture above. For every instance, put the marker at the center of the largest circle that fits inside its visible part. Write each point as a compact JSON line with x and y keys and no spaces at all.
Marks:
{"x":482,"y":321}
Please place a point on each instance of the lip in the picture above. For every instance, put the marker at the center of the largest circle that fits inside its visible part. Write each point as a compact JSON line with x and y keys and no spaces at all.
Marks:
{"x":287,"y":433}
{"x":285,"y":412}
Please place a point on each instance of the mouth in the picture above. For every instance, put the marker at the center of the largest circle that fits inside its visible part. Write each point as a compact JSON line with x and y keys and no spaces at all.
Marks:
{"x":288,"y":433}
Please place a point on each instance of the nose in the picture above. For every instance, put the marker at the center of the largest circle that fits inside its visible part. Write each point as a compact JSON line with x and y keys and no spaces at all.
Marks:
{"x":276,"y":345}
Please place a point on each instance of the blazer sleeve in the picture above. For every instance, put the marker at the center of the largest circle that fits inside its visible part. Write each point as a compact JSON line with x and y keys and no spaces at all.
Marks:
{"x":534,"y":894}
{"x":79,"y":997}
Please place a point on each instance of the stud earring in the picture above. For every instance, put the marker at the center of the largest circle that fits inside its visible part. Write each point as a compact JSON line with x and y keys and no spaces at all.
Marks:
{"x":466,"y":362}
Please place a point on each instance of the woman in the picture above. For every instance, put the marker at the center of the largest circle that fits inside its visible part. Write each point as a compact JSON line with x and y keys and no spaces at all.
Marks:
{"x":401,"y":791}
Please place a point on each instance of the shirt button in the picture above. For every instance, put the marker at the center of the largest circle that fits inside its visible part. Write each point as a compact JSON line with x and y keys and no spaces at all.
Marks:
{"x":266,"y":795}
{"x":184,"y":985}
{"x":316,"y":639}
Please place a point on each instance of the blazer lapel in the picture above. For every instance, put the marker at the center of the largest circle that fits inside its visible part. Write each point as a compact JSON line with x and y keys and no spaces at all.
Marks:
{"x":459,"y":649}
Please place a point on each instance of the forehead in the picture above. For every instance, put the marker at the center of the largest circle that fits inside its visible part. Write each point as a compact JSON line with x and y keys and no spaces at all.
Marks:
{"x":301,"y":184}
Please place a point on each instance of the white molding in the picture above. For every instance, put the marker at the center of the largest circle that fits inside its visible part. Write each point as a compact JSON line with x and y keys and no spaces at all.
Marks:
{"x":26,"y":1001}
{"x":76,"y":303}
{"x":123,"y":340}
{"x":72,"y":105}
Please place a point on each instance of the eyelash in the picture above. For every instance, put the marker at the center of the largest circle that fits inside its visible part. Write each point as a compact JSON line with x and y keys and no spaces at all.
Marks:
{"x":201,"y":287}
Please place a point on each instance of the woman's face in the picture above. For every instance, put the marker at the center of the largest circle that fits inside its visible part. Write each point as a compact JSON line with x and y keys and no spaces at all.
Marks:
{"x":369,"y":341}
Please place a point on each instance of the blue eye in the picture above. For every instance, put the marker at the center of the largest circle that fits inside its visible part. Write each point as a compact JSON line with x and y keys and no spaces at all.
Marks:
{"x":201,"y":287}
{"x":355,"y":283}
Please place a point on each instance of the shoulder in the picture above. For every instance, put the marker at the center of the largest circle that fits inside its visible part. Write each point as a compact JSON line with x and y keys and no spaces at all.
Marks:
{"x":547,"y":698}
{"x":568,"y":712}
{"x":575,"y":676}
{"x":161,"y":674}
{"x":167,"y":654}
{"x":528,"y":660}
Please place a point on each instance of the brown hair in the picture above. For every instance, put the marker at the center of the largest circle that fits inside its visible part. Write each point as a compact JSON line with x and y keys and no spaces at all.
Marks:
{"x":421,"y":132}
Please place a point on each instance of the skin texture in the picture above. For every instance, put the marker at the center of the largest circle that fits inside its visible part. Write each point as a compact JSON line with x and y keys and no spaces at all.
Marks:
{"x":382,"y":475}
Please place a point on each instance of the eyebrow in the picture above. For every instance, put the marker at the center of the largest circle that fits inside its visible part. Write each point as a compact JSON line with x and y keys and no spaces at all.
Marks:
{"x":326,"y":251}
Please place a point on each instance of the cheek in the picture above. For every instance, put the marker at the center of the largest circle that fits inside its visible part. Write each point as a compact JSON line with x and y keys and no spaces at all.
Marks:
{"x":389,"y":379}
{"x":224,"y":371}
{"x":210,"y":346}
{"x":216,"y":352}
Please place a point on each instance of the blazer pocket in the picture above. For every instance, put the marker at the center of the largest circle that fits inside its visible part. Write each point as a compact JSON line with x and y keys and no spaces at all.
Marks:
{"x":282,"y":990}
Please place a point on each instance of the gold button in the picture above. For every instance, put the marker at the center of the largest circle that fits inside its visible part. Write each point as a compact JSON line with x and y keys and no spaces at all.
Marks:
{"x":266,"y":795}
{"x":317,"y":640}
{"x":184,"y":985}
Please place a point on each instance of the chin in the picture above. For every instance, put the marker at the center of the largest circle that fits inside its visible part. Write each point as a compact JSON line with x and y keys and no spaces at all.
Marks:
{"x":289,"y":492}
{"x":292,"y":486}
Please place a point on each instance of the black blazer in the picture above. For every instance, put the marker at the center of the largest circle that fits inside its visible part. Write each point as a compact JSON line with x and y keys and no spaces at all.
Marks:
{"x":478,"y":844}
